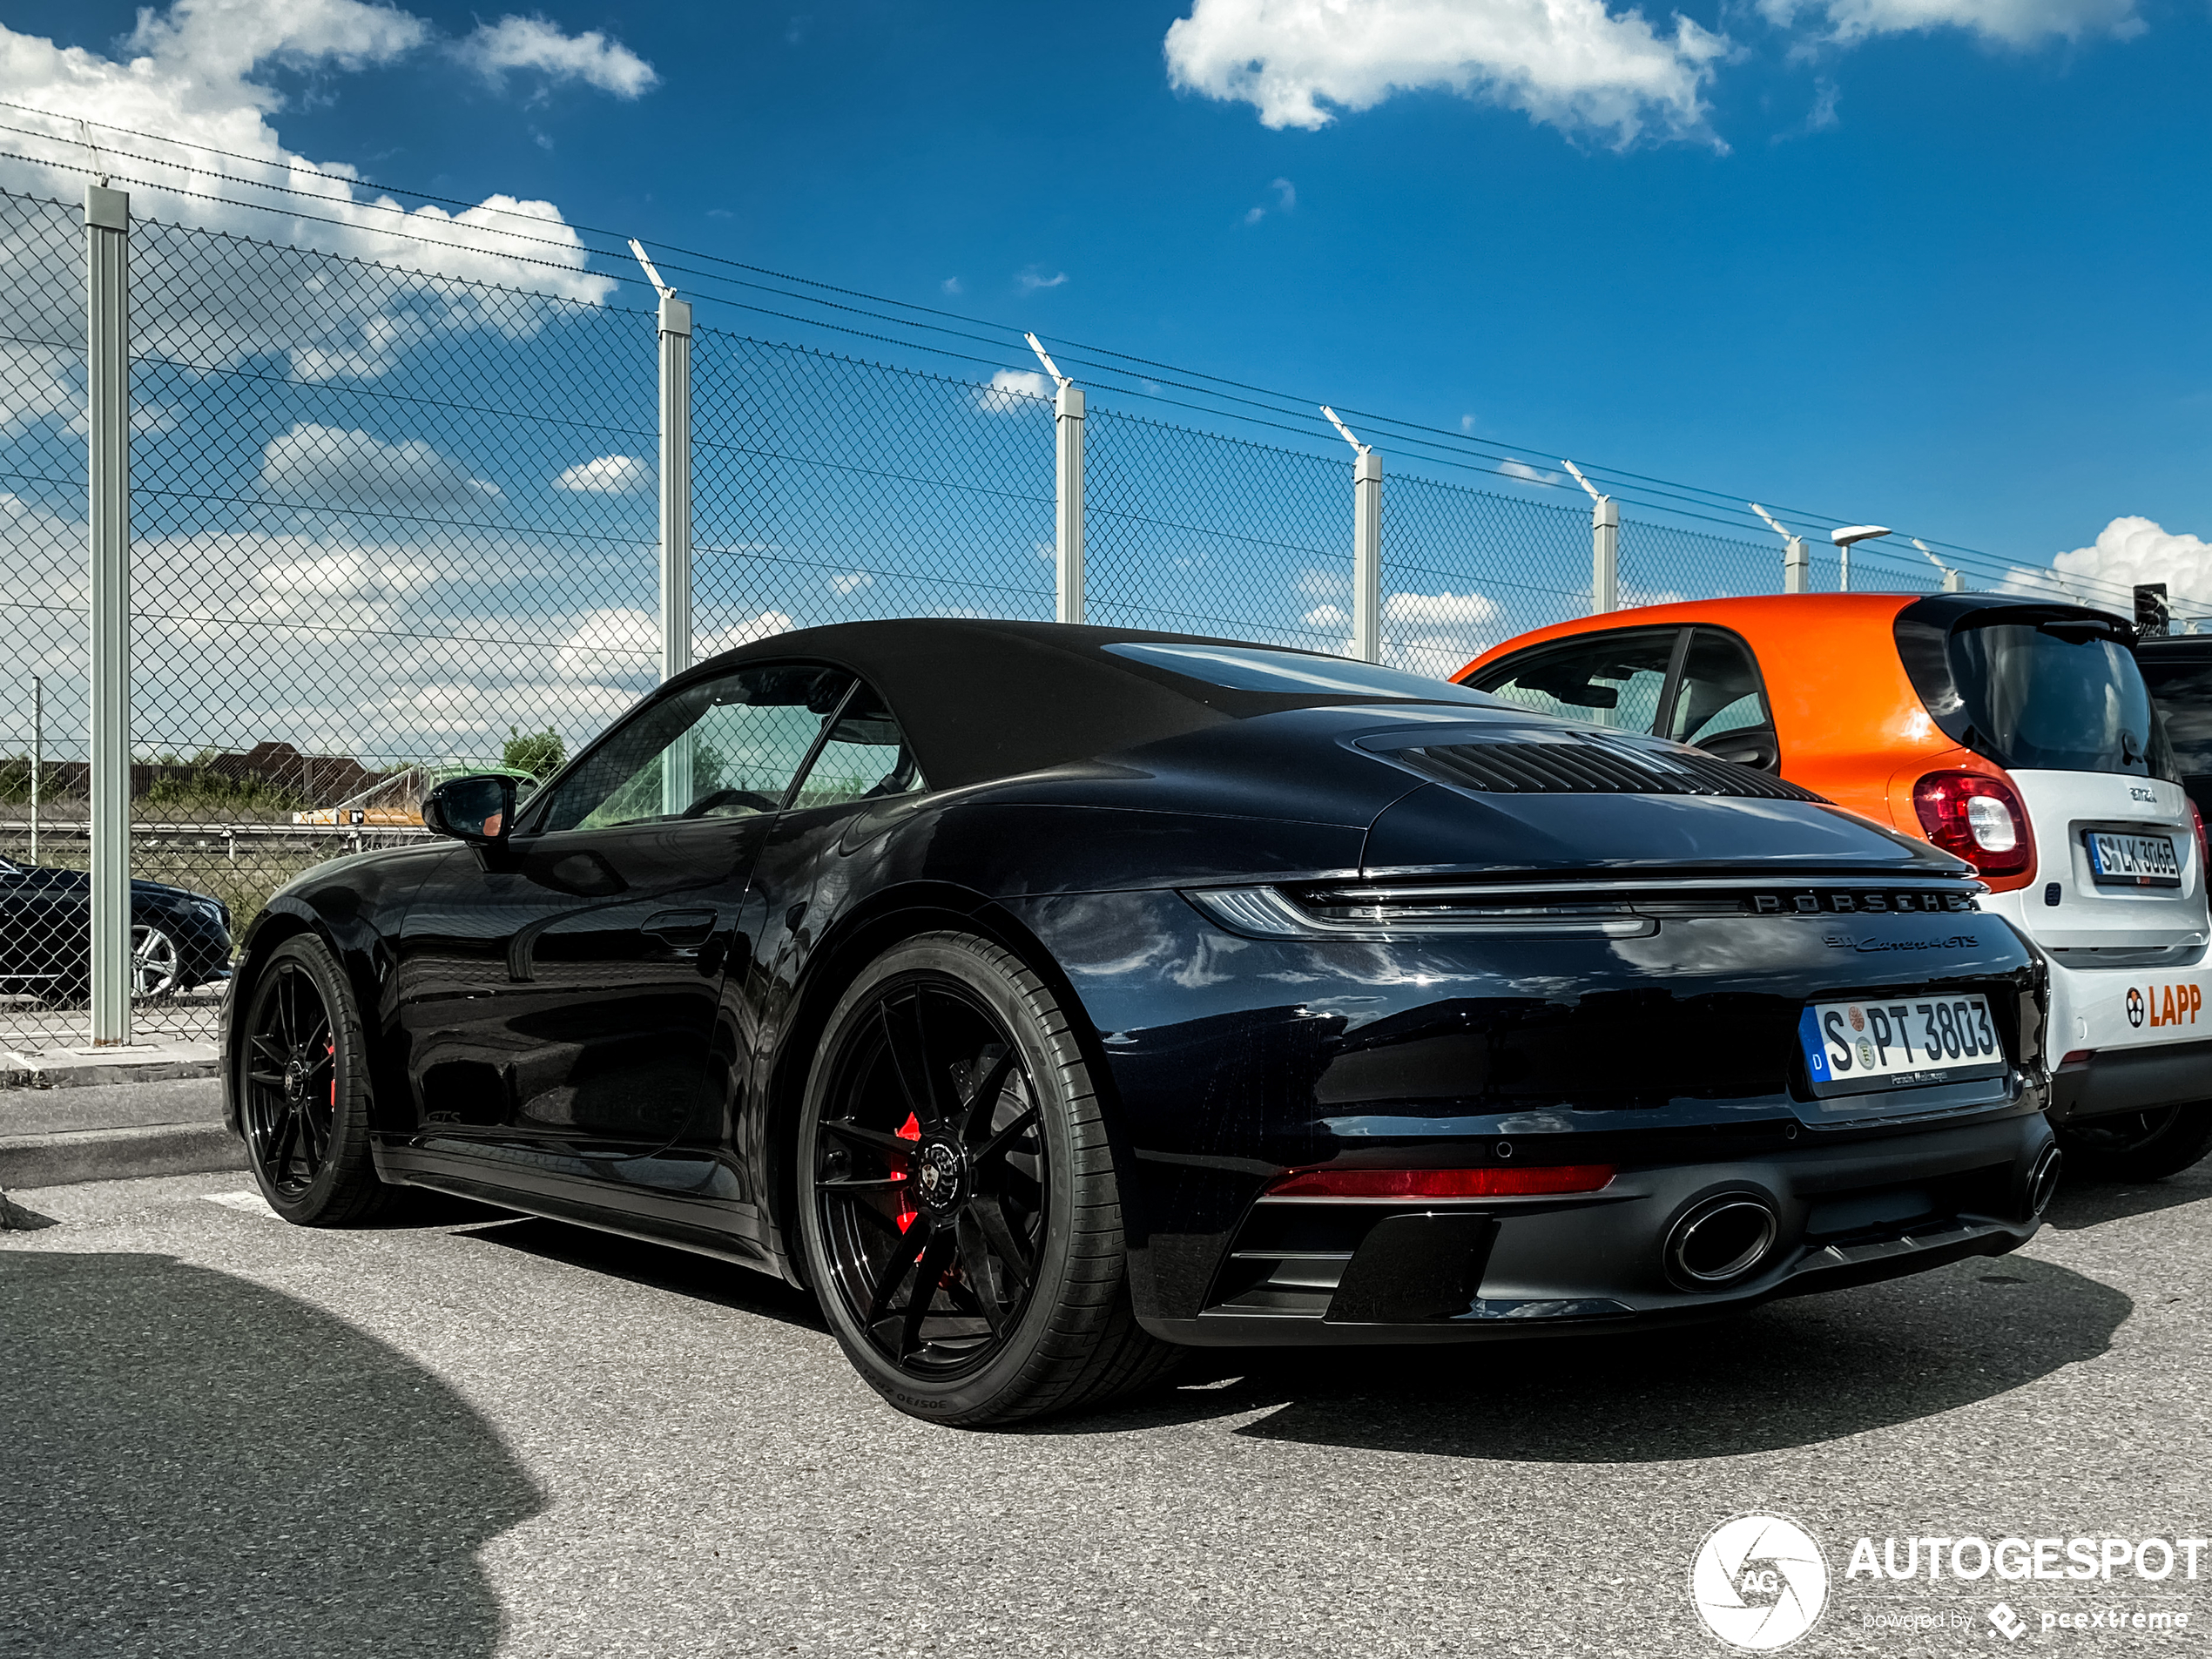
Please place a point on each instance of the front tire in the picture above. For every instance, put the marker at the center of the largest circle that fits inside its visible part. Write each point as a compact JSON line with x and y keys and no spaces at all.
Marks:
{"x":303,"y":1081}
{"x":2138,"y":1146}
{"x":958,"y":1211}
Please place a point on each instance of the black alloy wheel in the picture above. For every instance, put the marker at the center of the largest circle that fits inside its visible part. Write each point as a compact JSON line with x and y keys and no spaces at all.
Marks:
{"x":2138,"y":1146}
{"x":930,"y":1176}
{"x":959,"y":1213}
{"x":303,"y":1095}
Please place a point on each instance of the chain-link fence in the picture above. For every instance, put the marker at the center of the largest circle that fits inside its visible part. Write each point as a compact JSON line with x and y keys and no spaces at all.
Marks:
{"x":391,"y":521}
{"x":825,"y":488}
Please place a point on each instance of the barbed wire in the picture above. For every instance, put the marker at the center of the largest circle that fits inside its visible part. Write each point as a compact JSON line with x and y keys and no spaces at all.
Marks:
{"x":1438,"y":446}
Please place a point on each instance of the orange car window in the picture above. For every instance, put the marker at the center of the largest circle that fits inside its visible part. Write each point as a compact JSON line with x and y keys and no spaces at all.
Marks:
{"x":1609,"y":679}
{"x":1719,"y":691}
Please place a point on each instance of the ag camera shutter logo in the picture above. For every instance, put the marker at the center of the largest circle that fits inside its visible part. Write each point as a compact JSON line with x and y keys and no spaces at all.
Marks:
{"x":1759,"y":1582}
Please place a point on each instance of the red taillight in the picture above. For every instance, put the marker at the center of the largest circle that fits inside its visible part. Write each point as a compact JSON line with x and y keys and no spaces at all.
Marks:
{"x":1443,"y":1183}
{"x":2203,"y":845}
{"x":1977,"y":817}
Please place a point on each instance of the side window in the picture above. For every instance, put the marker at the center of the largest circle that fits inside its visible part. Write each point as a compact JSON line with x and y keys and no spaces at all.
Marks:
{"x":1719,"y":705}
{"x":723,"y":748}
{"x":2182,"y":691}
{"x":1612,"y":679}
{"x":864,"y":758}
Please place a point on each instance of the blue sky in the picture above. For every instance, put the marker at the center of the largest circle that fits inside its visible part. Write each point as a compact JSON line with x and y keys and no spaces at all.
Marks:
{"x":1947,"y":276}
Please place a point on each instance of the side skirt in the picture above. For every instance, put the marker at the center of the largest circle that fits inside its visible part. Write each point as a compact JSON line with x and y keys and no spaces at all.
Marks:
{"x":553,"y":1200}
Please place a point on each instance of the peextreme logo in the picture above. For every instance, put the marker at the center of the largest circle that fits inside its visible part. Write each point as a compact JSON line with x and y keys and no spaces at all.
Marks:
{"x":1759,"y":1582}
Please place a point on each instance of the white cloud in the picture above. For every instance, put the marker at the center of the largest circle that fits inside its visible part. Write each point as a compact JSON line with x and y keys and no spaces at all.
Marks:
{"x":851,"y":582}
{"x":1033,"y":279}
{"x":532,"y":42}
{"x":1007,"y":388}
{"x":951,"y":284}
{"x":1285,"y":200}
{"x":607,"y":475}
{"x":1826,"y":96}
{"x":2011,"y":22}
{"x":195,"y":76}
{"x":2127,"y":553}
{"x":1428,"y":633}
{"x":766,"y":625}
{"x":619,"y":634}
{"x":1570,"y":62}
{"x":1526,"y":473}
{"x":330,"y":466}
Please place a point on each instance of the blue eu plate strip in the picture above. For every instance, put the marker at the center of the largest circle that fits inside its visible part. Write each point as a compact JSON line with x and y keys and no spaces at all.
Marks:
{"x":1816,"y":1047}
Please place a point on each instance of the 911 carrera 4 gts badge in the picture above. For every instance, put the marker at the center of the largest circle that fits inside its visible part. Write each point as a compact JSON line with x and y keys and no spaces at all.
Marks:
{"x":1875,"y":947}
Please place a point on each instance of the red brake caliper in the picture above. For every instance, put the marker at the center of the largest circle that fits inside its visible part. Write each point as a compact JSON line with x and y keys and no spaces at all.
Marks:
{"x":909,"y":1130}
{"x":331,"y":1049}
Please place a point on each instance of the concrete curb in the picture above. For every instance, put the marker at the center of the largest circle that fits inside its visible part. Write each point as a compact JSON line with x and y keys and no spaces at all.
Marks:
{"x":147,"y":1062}
{"x":63,"y":1158}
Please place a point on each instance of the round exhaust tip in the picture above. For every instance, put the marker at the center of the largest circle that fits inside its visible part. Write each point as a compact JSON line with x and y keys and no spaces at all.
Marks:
{"x":1722,"y":1239}
{"x":2043,"y":1180}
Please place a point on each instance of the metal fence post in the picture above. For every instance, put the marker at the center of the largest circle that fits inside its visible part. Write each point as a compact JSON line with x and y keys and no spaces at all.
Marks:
{"x":1796,"y":566}
{"x":1605,"y":556}
{"x":1605,"y":545}
{"x":1367,"y":557}
{"x":1068,"y":504}
{"x":1067,"y":489}
{"x":37,"y":754}
{"x":1367,"y":544}
{"x":675,"y":484}
{"x":107,"y":290}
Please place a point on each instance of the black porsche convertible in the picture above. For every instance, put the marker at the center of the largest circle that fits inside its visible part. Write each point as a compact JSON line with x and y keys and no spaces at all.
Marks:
{"x":1050,"y":999}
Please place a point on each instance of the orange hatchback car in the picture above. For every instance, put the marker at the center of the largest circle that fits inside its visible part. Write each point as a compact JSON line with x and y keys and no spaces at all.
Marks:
{"x":2015,"y":733}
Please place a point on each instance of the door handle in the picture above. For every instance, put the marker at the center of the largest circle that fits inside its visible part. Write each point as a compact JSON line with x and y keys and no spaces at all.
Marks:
{"x":684,"y":929}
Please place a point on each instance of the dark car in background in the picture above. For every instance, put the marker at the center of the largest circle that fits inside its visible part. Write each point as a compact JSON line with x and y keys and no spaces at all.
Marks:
{"x":2178,"y":670}
{"x":1048,"y":998}
{"x":178,"y":938}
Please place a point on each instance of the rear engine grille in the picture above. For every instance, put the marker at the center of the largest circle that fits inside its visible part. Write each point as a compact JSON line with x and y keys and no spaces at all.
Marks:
{"x":1592,"y":766}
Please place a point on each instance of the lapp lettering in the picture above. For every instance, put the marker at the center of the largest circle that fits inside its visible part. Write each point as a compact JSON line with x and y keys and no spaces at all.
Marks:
{"x":2173,"y":1004}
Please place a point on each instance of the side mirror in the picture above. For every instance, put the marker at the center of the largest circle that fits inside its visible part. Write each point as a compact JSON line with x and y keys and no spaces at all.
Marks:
{"x":479,"y":810}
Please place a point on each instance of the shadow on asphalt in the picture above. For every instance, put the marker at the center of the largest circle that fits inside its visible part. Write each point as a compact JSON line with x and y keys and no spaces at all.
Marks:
{"x":707,"y":1278}
{"x":1791,"y":1373}
{"x":197,"y":1465}
{"x":2091,"y":1203}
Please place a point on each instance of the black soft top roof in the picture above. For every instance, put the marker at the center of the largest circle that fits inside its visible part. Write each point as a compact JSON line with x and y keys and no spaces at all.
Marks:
{"x":981,"y":699}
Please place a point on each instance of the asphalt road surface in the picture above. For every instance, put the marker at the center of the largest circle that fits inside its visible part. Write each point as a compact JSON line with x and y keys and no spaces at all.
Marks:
{"x":220,"y":1435}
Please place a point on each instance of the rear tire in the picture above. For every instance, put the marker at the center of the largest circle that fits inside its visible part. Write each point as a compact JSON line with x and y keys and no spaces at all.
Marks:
{"x":958,"y":1210}
{"x":2138,"y":1146}
{"x":303,"y":1081}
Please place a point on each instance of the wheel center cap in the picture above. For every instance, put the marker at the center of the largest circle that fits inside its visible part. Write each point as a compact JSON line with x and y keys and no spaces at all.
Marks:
{"x":295,"y":1080}
{"x":938,"y":1166}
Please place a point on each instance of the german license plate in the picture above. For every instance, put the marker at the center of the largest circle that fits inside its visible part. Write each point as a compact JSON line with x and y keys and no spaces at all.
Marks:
{"x":2134,"y":860}
{"x":1853,"y":1048}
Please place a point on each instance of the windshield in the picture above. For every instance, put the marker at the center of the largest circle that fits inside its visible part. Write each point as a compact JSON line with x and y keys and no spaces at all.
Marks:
{"x":1255,"y":668}
{"x":2057,"y":696}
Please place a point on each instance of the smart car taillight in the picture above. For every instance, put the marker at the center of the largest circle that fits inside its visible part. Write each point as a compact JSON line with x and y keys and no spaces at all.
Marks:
{"x":1443,"y":1183}
{"x":2203,"y":843}
{"x":1978,"y":818}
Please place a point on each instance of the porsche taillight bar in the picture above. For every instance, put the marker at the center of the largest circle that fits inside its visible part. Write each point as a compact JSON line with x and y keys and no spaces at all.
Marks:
{"x":1518,"y":1181}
